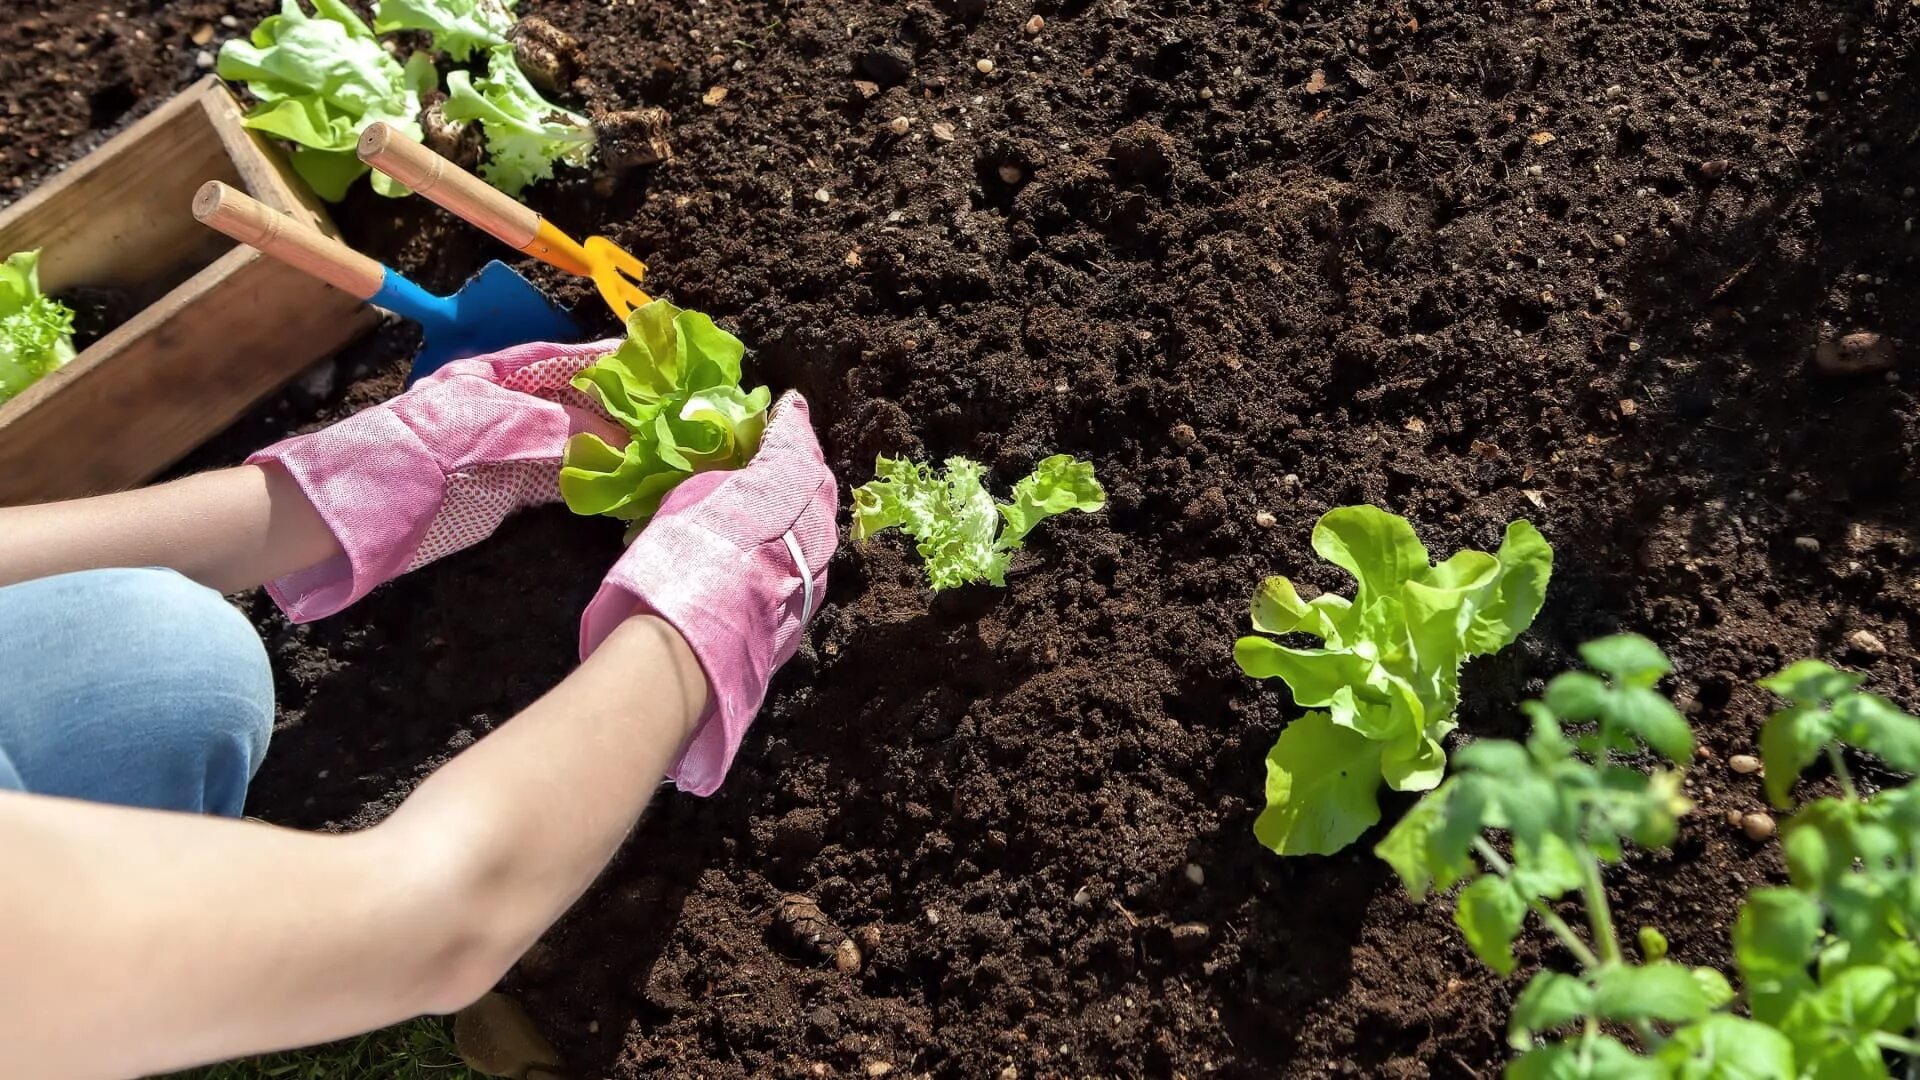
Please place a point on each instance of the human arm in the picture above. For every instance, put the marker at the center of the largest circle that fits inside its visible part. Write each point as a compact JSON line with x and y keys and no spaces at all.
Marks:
{"x":229,"y":530}
{"x":206,"y":939}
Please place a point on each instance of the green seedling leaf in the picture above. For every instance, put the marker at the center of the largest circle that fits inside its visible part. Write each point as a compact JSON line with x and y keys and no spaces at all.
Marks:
{"x":1659,"y":991}
{"x":459,"y":27}
{"x":1321,"y":788}
{"x":1489,"y":913}
{"x":1791,"y":740}
{"x":320,"y":80}
{"x":1773,"y":944}
{"x":1811,"y":682}
{"x":964,"y":536}
{"x":1724,"y":1047}
{"x":674,"y":385}
{"x":1389,"y":659}
{"x":527,"y":135}
{"x":1411,"y":846}
{"x":1601,"y":1057}
{"x":36,"y":331}
{"x":1550,"y":1000}
{"x":1653,"y":944}
{"x":1627,"y":659}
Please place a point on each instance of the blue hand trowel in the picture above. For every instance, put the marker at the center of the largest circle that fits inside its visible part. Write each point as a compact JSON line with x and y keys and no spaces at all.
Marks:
{"x":496,"y":309}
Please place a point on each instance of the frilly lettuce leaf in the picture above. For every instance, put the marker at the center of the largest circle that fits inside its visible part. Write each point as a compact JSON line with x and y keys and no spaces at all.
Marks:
{"x":1389,"y":660}
{"x":674,"y":384}
{"x":320,"y":80}
{"x":459,"y":27}
{"x":526,"y":133}
{"x":36,"y":331}
{"x":961,"y":532}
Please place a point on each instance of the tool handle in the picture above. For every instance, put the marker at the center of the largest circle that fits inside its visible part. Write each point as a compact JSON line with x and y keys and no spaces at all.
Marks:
{"x":456,"y":190}
{"x":295,"y":243}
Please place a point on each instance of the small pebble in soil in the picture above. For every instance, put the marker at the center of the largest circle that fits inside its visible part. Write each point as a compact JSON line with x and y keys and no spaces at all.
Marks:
{"x":823,"y":196}
{"x":230,"y":22}
{"x":1265,"y":520}
{"x":943,"y":132}
{"x":1867,"y":643}
{"x":1011,"y":173}
{"x":879,"y":1068}
{"x":203,"y":34}
{"x":203,"y":60}
{"x":846,"y":957}
{"x":1806,"y":545}
{"x":1757,"y":826}
{"x":1619,"y":240}
{"x":819,"y":1068}
{"x":900,"y":125}
{"x":1035,"y":25}
{"x":1195,"y":874}
{"x":1190,"y":936}
{"x":1859,"y":353}
{"x":1009,"y":1073}
{"x":1711,"y":171}
{"x":1744,"y":764}
{"x":1733,"y":818}
{"x":984,"y":66}
{"x":1082,"y":898}
{"x":1183,"y":434}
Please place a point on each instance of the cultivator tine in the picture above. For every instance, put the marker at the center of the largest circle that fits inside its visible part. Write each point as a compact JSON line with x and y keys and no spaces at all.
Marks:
{"x":617,"y":273}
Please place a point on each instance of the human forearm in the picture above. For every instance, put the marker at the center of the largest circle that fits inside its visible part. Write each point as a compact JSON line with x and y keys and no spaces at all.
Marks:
{"x":229,"y":530}
{"x":208,"y":939}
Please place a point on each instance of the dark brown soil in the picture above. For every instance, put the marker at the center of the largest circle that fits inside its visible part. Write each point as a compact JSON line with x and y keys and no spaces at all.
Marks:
{"x":1468,"y":260}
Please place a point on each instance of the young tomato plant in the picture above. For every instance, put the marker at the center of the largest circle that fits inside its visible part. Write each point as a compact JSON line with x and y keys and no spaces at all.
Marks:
{"x":1384,"y":684}
{"x":962,"y":533}
{"x":1830,"y":966}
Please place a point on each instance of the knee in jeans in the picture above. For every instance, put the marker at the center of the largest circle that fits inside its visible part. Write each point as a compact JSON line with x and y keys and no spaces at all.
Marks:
{"x":197,"y":645}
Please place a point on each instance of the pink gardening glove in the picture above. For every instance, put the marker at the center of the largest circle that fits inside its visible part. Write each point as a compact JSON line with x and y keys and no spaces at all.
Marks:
{"x":737,"y":562}
{"x":437,"y":468}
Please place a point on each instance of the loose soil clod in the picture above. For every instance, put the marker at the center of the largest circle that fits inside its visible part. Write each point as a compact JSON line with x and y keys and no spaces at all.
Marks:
{"x":633,"y":138}
{"x":551,"y":57}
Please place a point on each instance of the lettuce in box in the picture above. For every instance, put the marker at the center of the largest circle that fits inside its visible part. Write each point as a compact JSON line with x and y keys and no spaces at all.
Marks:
{"x":36,"y":331}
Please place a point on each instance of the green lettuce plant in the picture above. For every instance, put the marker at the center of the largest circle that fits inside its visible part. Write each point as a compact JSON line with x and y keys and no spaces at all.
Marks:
{"x":320,"y":79}
{"x":674,"y":384}
{"x":962,"y":533}
{"x":1829,"y":964}
{"x":459,"y":27}
{"x":1384,"y":684}
{"x":526,"y":134}
{"x":36,"y":331}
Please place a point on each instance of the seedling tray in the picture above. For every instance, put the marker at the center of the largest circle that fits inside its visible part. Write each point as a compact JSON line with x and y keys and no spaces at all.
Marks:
{"x":218,"y":326}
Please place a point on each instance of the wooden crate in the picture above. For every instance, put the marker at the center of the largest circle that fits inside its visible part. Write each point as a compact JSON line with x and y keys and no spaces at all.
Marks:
{"x":222,"y":326}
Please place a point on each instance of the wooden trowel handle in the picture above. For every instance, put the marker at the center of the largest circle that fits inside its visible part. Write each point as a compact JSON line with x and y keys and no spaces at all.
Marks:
{"x":458,"y":191}
{"x":295,"y":243}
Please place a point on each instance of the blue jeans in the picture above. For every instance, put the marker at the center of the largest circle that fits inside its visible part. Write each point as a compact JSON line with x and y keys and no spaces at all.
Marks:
{"x":136,"y":687}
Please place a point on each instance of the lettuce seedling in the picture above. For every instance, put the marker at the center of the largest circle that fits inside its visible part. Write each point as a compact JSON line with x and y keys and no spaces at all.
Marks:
{"x":1385,"y":684}
{"x":962,"y":533}
{"x":459,"y":27}
{"x":674,"y":384}
{"x":36,"y":331}
{"x":321,"y":79}
{"x":526,"y":133}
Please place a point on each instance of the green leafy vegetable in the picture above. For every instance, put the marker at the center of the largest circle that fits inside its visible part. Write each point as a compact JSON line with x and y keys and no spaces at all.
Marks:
{"x":1389,"y":667}
{"x":1830,"y":967}
{"x":526,"y":133}
{"x":459,"y":27}
{"x":964,"y":535}
{"x":36,"y":331}
{"x":321,"y":79}
{"x":674,"y":384}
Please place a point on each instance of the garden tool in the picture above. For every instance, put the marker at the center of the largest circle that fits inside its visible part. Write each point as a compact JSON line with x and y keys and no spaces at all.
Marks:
{"x":496,"y":309}
{"x":614,"y":271}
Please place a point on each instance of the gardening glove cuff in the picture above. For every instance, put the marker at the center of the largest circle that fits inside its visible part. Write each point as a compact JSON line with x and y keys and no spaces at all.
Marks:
{"x":737,"y":562}
{"x":436,"y":469}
